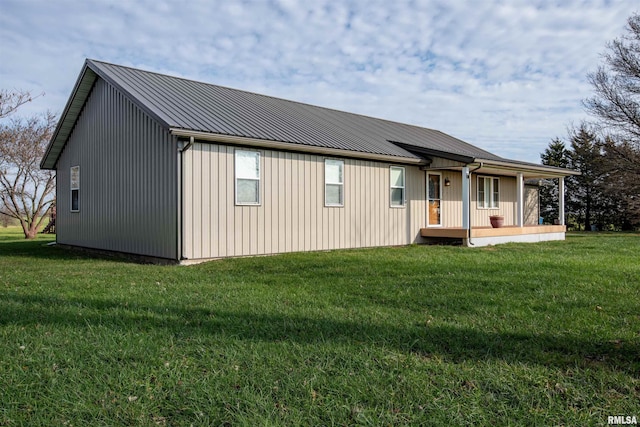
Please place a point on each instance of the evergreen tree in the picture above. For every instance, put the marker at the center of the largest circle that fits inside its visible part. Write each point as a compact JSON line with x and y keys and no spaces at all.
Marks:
{"x":585,"y":197}
{"x":622,"y":182}
{"x":557,"y":155}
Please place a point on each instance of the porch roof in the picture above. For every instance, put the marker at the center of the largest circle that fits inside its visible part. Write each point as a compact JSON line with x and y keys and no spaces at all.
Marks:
{"x":489,"y":165}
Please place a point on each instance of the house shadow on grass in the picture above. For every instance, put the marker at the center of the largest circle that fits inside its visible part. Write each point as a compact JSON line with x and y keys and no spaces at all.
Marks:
{"x":45,"y":250}
{"x":446,"y":342}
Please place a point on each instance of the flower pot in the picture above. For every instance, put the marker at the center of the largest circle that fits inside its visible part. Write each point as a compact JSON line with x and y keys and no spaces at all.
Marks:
{"x":497,"y":221}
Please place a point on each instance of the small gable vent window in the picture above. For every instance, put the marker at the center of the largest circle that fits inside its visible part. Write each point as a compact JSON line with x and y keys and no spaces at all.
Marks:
{"x":75,"y":188}
{"x":247,"y":177}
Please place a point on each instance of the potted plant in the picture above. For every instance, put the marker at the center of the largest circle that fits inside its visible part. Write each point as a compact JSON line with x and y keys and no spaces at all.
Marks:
{"x":497,"y":221}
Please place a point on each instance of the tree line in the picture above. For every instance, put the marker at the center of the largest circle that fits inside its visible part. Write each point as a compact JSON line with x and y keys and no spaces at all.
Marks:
{"x":606,"y":149}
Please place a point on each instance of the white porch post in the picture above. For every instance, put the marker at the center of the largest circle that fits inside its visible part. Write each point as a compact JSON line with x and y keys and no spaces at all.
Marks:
{"x":561,"y":200}
{"x":519,"y":200}
{"x":466,"y":197}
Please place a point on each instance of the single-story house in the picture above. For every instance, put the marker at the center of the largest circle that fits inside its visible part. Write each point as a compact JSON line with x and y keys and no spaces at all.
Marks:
{"x":169,"y":168}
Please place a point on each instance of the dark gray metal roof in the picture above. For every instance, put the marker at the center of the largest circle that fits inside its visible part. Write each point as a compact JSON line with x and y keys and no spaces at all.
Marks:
{"x":187,"y":104}
{"x":196,"y":106}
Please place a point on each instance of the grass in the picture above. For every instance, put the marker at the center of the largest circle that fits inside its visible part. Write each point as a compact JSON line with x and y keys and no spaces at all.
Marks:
{"x":518,"y":334}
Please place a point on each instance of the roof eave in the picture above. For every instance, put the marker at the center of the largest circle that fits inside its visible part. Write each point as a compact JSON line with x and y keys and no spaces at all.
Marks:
{"x":70,"y":114}
{"x":87,"y":78}
{"x":531,"y":169}
{"x":289,"y":146}
{"x":421,"y":151}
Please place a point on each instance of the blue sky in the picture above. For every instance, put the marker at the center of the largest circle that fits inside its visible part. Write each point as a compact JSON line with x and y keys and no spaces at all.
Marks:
{"x":505,"y":75}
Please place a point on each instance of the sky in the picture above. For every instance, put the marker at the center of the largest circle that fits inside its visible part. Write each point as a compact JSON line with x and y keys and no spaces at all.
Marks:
{"x":505,"y":75}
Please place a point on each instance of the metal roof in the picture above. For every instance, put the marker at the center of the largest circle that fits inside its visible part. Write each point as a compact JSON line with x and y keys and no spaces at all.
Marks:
{"x":178,"y":103}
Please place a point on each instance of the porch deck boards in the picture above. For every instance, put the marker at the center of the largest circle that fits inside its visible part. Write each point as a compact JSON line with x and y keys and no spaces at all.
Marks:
{"x":509,"y":230}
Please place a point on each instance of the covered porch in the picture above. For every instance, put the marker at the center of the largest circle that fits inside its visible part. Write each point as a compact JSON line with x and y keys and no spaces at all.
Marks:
{"x":467,"y":220}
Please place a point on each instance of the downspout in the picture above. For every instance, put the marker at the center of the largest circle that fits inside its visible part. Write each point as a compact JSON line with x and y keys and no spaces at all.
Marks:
{"x":181,"y":150}
{"x":469,"y":207}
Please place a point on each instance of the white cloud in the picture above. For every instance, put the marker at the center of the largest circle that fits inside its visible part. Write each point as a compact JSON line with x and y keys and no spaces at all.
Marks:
{"x":505,"y":75}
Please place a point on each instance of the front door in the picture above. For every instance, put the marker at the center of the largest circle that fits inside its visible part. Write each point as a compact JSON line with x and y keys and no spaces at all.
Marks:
{"x":434,"y":213}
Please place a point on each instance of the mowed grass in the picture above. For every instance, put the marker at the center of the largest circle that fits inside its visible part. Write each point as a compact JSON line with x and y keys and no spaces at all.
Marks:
{"x":518,"y":334}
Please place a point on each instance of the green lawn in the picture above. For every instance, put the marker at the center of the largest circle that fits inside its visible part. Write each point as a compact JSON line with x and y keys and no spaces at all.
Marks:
{"x":518,"y":334}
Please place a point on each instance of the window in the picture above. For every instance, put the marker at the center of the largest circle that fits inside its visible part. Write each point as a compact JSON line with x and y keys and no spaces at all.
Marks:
{"x":488,"y":192}
{"x":247,"y":177}
{"x":333,"y":182}
{"x":75,"y":188}
{"x":397,"y":186}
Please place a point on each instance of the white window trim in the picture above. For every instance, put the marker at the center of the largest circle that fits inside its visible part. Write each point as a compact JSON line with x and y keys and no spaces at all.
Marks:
{"x":73,"y":187}
{"x":333,"y":205}
{"x":403,"y":187}
{"x":429,"y":198}
{"x":492,"y":179}
{"x":236,"y":177}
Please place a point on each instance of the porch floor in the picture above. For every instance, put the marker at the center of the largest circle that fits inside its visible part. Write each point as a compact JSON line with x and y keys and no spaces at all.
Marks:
{"x":508,"y":230}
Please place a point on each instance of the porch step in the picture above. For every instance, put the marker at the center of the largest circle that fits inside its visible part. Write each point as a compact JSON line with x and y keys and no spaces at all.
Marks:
{"x":449,"y":232}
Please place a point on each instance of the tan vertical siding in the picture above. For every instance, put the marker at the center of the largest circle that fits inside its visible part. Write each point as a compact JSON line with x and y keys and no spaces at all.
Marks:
{"x":128,"y":179}
{"x":507,"y":205}
{"x":451,"y":211}
{"x":440,"y":163}
{"x":452,"y":201}
{"x":292,"y":215}
{"x":531,"y":205}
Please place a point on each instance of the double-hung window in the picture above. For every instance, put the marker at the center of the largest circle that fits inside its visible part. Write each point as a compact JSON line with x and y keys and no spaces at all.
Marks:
{"x":396,"y":174}
{"x":488,"y":192}
{"x":75,"y":188}
{"x":333,"y":182}
{"x":247,"y":177}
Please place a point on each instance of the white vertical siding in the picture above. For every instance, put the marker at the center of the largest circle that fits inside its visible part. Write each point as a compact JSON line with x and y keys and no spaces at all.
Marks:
{"x":292,"y":215}
{"x":128,"y":179}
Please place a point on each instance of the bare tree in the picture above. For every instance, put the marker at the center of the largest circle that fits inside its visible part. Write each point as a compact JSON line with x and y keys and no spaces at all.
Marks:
{"x":616,"y":106}
{"x":5,"y":220}
{"x":26,"y":191}
{"x":617,"y":84}
{"x":10,"y":101}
